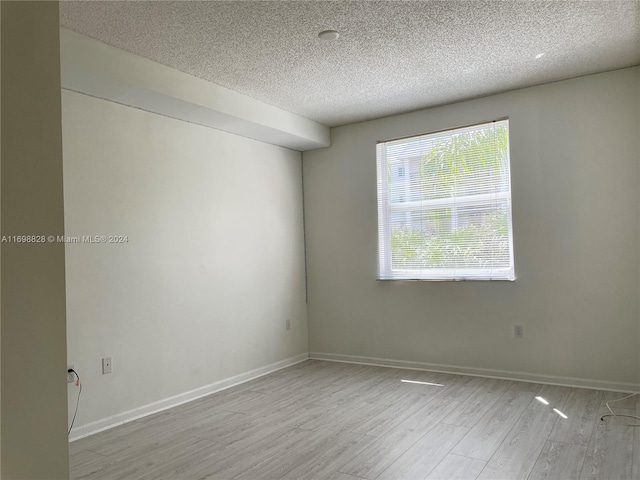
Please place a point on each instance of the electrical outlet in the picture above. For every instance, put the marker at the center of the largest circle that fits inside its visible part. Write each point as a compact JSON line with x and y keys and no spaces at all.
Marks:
{"x":518,"y":331}
{"x":288,"y":324}
{"x":106,"y":365}
{"x":71,"y":377}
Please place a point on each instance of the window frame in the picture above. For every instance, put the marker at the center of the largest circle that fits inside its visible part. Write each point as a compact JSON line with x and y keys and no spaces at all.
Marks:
{"x":385,"y":272}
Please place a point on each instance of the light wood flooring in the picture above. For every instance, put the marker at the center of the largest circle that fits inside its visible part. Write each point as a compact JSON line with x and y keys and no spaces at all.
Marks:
{"x":339,"y":421}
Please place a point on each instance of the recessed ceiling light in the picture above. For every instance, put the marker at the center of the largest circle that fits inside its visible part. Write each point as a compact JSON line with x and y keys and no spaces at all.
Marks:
{"x":540,"y":55}
{"x":328,"y":35}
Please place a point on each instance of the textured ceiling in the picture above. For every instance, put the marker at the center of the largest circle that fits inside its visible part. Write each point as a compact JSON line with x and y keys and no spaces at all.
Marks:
{"x":391,"y":56}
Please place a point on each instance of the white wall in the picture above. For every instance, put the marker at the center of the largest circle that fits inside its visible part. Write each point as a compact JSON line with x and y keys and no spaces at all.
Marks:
{"x":213,"y":266}
{"x":34,"y":416}
{"x":575,"y":156}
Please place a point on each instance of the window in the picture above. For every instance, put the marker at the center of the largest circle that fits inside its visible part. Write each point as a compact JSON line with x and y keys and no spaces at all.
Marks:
{"x":448,"y":216}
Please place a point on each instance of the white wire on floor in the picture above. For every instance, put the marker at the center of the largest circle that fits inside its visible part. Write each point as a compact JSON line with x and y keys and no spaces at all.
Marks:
{"x":617,"y":415}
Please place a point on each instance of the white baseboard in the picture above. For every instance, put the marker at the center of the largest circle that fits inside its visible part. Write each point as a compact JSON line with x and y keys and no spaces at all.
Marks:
{"x":481,"y":372}
{"x":130,"y":415}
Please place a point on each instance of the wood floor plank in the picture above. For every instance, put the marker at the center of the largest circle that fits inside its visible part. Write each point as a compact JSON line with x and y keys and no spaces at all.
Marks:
{"x":127,"y":465}
{"x":455,"y":467}
{"x":231,"y":462}
{"x":555,"y":395}
{"x":526,"y":387}
{"x":271,"y":401}
{"x":315,"y":456}
{"x":473,"y":408}
{"x":147,"y":438}
{"x":324,"y":462}
{"x":610,"y":452}
{"x":425,"y":454}
{"x":203,"y":406}
{"x":244,"y":459}
{"x":460,"y":388}
{"x":278,"y":384}
{"x":85,"y":463}
{"x":233,"y":434}
{"x":429,"y":415}
{"x":186,"y":465}
{"x":234,"y":430}
{"x":560,"y":461}
{"x":382,"y":453}
{"x":489,"y":432}
{"x":102,"y":440}
{"x":583,"y":406}
{"x":344,"y":413}
{"x":393,"y":390}
{"x":520,"y":449}
{"x":343,"y":476}
{"x":395,"y":442}
{"x":397,"y":413}
{"x":345,"y":393}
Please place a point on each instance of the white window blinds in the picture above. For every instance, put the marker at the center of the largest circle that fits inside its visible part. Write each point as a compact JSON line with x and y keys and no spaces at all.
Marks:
{"x":444,"y":205}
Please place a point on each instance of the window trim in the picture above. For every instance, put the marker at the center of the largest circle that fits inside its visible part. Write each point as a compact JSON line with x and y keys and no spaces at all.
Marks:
{"x":386,"y":208}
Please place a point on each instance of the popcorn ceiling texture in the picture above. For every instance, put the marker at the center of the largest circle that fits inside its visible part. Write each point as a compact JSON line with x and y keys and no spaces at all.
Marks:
{"x":391,"y":57}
